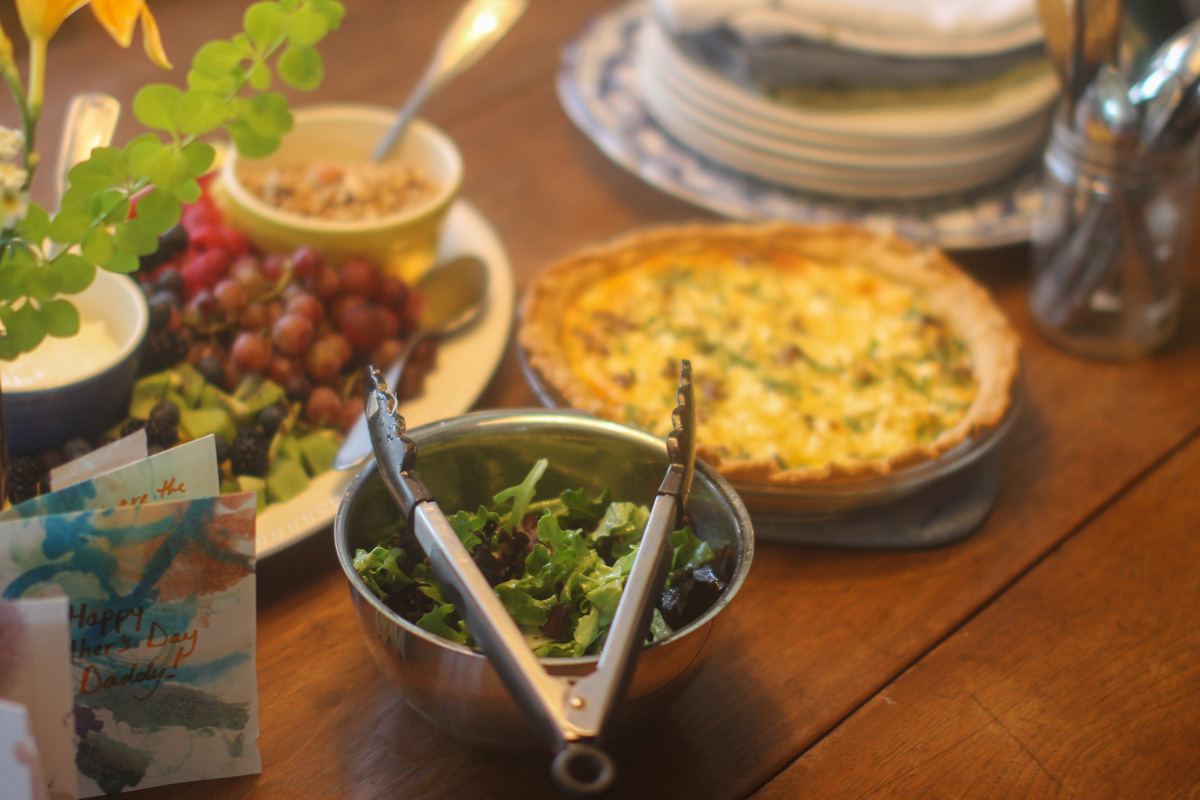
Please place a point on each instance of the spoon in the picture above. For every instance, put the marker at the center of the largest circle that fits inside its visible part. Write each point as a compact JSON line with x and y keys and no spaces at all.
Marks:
{"x":91,"y":120}
{"x":1168,"y":92}
{"x":454,"y":294}
{"x":1080,"y":37}
{"x":478,"y":25}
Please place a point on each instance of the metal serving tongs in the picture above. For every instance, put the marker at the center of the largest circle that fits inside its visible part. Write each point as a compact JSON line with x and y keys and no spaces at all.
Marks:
{"x":571,"y":714}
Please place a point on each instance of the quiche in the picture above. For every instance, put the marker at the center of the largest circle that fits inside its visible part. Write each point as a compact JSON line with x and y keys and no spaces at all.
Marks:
{"x":819,"y":353}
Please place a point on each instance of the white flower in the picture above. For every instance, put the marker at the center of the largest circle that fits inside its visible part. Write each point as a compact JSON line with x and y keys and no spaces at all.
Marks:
{"x":11,"y":143}
{"x":12,"y":177}
{"x":14,"y":205}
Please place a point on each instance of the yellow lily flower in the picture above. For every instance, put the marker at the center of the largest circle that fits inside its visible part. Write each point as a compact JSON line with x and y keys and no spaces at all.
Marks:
{"x":120,"y":17}
{"x":42,"y":18}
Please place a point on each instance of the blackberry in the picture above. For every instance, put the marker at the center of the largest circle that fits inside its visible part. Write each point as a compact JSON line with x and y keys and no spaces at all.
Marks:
{"x":163,"y":348}
{"x":165,"y":413}
{"x":133,"y":426}
{"x":162,"y":432}
{"x":170,"y":244}
{"x":222,"y":448}
{"x":24,"y":476}
{"x":298,"y":389}
{"x":75,"y":448}
{"x":50,"y":459}
{"x":162,"y":305}
{"x":170,"y":280}
{"x":213,"y":370}
{"x":249,"y":456}
{"x":271,"y":417}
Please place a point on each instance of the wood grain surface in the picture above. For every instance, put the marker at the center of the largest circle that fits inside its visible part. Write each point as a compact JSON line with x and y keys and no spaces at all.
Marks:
{"x":819,"y":639}
{"x":1079,"y":681}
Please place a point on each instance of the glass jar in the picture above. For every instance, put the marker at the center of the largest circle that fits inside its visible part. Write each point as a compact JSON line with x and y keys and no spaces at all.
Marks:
{"x":1110,"y":244}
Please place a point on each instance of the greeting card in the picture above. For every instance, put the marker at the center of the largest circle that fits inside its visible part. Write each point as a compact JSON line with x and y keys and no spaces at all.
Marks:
{"x":161,"y":619}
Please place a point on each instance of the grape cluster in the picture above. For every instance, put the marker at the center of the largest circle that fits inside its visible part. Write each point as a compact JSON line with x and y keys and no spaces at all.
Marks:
{"x":296,"y":319}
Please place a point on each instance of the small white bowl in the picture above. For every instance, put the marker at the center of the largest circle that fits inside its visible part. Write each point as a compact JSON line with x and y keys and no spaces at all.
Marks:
{"x":404,"y":243}
{"x":93,"y":395}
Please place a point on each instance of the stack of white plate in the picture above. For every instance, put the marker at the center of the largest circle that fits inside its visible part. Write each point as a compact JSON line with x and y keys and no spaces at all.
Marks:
{"x":893,"y":152}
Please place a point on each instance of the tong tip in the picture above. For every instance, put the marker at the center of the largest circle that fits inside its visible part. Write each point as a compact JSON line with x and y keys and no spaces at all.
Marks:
{"x":384,"y":421}
{"x":681,"y":441}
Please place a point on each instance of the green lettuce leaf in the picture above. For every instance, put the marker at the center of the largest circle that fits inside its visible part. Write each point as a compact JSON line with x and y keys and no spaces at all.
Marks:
{"x":380,"y":570}
{"x":442,"y":622}
{"x":520,"y":495}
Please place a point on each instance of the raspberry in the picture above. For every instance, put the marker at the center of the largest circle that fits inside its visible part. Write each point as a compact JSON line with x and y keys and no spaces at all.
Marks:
{"x":249,"y":456}
{"x":234,"y":241}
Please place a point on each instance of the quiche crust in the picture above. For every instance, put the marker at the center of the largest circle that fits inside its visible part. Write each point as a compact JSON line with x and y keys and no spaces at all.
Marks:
{"x":945,"y":294}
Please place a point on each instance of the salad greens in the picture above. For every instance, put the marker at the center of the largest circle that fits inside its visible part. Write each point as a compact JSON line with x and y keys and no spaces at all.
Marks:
{"x":558,"y":565}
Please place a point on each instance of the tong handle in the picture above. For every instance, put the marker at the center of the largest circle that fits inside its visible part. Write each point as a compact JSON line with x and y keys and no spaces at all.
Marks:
{"x":540,"y":695}
{"x":593,"y":698}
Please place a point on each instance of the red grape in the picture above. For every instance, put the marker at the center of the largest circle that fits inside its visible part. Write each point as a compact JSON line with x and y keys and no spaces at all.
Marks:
{"x":323,"y":407}
{"x":251,"y":352}
{"x":390,"y":322}
{"x":362,"y":326}
{"x":248,"y":273}
{"x":343,"y":304}
{"x":393,"y":293}
{"x":341,"y":348}
{"x":360,"y":277}
{"x":273,"y":267}
{"x":305,"y":304}
{"x":305,"y":262}
{"x":352,"y":409}
{"x":254,"y":317}
{"x":323,"y":361}
{"x":274,"y":311}
{"x":326,"y":283}
{"x":386,"y":352}
{"x":231,"y":295}
{"x":292,"y":333}
{"x":284,"y":369}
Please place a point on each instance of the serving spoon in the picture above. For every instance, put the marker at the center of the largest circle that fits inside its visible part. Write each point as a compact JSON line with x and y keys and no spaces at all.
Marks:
{"x":454,"y":294}
{"x":478,"y":25}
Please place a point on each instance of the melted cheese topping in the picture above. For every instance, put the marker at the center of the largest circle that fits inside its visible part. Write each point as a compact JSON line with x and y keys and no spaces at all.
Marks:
{"x":793,"y":361}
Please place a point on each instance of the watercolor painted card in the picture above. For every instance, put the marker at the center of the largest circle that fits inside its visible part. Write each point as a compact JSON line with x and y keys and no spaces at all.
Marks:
{"x":162,"y":634}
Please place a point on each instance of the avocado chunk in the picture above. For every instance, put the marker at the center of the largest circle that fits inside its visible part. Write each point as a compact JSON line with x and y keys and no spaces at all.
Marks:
{"x":147,"y":393}
{"x":191,"y":383}
{"x":318,"y":450}
{"x":256,"y":393}
{"x":285,"y":480}
{"x":198,"y":422}
{"x":285,"y":446}
{"x":251,"y":483}
{"x":212,"y":397}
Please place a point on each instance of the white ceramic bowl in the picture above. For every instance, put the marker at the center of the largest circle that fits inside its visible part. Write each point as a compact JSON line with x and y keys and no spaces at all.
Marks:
{"x":405,"y":242}
{"x":93,"y":394}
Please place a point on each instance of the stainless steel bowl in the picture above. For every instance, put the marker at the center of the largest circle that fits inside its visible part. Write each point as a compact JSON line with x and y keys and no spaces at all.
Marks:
{"x":464,"y":461}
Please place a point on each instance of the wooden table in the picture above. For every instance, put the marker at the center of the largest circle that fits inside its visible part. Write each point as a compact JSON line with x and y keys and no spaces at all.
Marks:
{"x":1055,"y":653}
